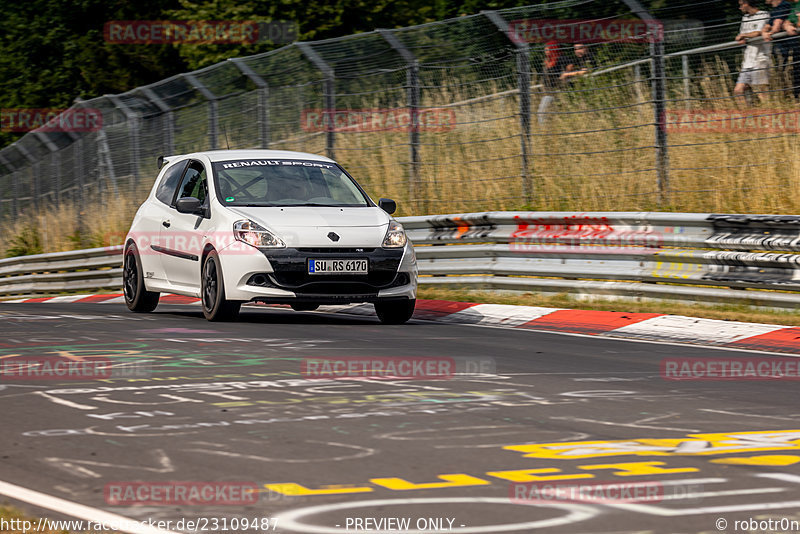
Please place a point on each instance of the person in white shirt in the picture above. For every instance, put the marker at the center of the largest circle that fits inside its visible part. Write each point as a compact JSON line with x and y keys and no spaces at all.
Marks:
{"x":757,"y":56}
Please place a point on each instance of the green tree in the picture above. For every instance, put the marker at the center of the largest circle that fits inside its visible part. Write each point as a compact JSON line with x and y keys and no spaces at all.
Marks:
{"x":52,"y":52}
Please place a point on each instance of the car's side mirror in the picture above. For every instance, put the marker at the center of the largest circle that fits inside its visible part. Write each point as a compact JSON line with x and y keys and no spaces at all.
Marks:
{"x":190,"y":205}
{"x":388,"y":205}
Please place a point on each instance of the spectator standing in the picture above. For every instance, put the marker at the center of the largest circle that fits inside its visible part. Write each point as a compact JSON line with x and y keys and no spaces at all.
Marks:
{"x":579,"y":64}
{"x":757,"y":60}
{"x":555,"y":62}
{"x":792,"y":27}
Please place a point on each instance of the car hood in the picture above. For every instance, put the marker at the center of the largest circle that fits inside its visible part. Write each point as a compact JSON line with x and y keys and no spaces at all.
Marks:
{"x":307,"y":226}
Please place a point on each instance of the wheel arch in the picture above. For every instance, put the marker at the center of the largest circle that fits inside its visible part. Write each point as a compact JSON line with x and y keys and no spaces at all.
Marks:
{"x":206,"y":251}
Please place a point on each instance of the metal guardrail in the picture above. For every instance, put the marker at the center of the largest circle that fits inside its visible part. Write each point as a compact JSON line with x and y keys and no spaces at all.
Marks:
{"x":684,"y":256}
{"x":62,"y":272}
{"x":703,"y":257}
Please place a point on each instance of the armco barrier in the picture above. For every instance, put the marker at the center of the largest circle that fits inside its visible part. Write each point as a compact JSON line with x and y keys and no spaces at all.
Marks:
{"x":689,"y":256}
{"x":77,"y":270}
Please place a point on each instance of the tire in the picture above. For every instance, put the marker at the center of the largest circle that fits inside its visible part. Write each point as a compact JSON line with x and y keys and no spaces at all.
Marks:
{"x":137,"y":297}
{"x":396,"y":311}
{"x":302,"y":306}
{"x":212,"y":292}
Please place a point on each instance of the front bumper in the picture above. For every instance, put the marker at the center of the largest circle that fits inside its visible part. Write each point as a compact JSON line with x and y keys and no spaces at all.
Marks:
{"x":281,"y":276}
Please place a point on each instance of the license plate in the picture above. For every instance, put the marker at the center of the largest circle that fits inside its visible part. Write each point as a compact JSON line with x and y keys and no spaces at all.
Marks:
{"x":337,"y":266}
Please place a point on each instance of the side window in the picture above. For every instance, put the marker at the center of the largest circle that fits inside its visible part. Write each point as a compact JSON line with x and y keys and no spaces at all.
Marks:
{"x":166,"y":190}
{"x":194,"y":182}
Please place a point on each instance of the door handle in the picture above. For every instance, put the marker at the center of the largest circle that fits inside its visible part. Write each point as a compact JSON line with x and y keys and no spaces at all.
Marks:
{"x":165,"y":224}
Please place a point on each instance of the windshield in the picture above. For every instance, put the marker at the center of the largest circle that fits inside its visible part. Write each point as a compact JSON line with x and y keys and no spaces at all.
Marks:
{"x":277,"y":182}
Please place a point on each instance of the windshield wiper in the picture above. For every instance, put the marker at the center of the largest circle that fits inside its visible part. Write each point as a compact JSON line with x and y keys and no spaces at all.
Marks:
{"x":332,"y":205}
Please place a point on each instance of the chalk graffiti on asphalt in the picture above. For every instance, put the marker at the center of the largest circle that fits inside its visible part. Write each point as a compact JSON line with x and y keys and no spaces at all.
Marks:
{"x":693,"y":444}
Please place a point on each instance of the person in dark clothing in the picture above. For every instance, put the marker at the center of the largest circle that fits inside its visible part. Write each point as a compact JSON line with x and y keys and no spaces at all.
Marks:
{"x":579,"y":64}
{"x":780,"y":13}
{"x":555,"y":63}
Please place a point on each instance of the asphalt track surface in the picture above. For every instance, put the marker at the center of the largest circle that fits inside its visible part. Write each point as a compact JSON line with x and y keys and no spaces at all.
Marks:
{"x":232,"y":403}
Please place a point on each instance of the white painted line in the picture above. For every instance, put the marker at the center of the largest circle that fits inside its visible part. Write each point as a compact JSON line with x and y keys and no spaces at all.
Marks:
{"x":676,"y":327}
{"x":674,"y":512}
{"x":497,"y":314}
{"x":681,"y":482}
{"x":64,"y":402}
{"x":575,"y":513}
{"x":65,"y":298}
{"x":115,"y":300}
{"x":116,"y":522}
{"x":722,"y":493}
{"x":786,"y":477}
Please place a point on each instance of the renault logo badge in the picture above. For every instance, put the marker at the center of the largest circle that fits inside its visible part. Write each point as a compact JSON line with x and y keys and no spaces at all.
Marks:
{"x":333,"y":236}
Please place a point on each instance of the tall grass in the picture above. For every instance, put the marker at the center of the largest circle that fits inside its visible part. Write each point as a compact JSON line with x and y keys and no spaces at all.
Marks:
{"x":102,"y":223}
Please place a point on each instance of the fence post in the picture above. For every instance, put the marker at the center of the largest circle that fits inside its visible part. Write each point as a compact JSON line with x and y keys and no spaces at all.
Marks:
{"x":658,"y":85}
{"x":34,"y":169}
{"x":263,"y":100}
{"x":57,"y":185}
{"x":54,"y":162}
{"x":78,"y":159}
{"x":412,"y":101}
{"x":329,"y":95}
{"x":660,"y":116}
{"x":523,"y":67}
{"x":13,"y":178}
{"x":133,"y":131}
{"x":168,"y":116}
{"x":16,"y":178}
{"x":686,"y":90}
{"x":36,"y":185}
{"x":101,"y":165}
{"x":104,"y":159}
{"x":213,"y":110}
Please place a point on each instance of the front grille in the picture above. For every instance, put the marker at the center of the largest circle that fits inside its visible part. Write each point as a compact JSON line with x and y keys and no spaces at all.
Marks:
{"x":333,"y":250}
{"x":291,"y":272}
{"x":327,"y":286}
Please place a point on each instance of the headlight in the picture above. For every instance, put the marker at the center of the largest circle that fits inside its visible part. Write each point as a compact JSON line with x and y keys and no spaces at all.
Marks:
{"x":395,"y":236}
{"x":256,"y":235}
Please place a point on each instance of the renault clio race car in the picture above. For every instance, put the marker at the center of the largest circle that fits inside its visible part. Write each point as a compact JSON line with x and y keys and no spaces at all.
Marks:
{"x":235,"y":226}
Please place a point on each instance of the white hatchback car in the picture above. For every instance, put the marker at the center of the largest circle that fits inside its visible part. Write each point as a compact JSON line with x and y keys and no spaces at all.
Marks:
{"x":235,"y":226}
